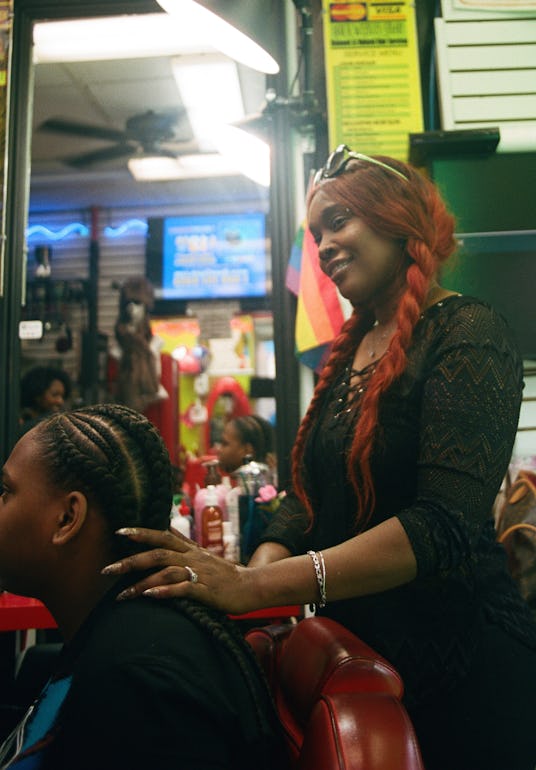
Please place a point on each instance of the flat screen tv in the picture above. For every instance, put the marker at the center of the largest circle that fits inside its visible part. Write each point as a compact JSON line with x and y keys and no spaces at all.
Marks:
{"x":208,"y":257}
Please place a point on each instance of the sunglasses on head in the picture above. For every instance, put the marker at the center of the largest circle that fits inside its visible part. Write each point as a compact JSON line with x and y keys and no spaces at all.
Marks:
{"x":339,"y":159}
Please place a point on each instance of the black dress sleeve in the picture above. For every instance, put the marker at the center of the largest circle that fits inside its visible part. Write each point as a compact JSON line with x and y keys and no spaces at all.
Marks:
{"x":289,"y":526}
{"x":468,"y":421}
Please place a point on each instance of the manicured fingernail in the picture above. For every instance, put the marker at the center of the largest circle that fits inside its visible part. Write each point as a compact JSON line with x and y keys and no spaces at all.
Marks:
{"x":126,"y":531}
{"x":126,"y":594}
{"x":112,"y":569}
{"x":151,"y":592}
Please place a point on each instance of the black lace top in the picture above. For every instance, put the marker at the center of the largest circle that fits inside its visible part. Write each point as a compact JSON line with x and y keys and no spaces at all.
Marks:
{"x":445,"y":438}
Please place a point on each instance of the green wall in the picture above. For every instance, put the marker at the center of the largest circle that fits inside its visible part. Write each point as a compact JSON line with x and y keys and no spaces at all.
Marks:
{"x":492,"y":198}
{"x":489,"y":194}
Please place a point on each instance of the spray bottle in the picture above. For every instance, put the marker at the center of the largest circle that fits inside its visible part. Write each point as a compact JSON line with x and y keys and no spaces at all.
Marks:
{"x":251,"y":477}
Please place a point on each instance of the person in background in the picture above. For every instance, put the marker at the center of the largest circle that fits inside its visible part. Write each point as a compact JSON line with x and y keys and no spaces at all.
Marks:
{"x":136,"y":686}
{"x":247,"y":436}
{"x":396,"y":467}
{"x":43,"y":391}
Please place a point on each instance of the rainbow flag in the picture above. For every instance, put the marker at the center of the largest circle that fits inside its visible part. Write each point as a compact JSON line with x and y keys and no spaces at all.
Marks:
{"x":319,"y":314}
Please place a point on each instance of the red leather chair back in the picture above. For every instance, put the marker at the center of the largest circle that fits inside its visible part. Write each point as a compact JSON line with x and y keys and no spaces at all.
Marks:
{"x":323,"y":680}
{"x":268,"y":643}
{"x":359,"y":731}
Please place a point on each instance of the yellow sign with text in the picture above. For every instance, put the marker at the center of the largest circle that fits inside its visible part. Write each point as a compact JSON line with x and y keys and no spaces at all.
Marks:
{"x":372,"y":76}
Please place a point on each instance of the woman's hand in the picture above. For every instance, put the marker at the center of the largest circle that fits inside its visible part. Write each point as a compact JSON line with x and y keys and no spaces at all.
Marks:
{"x":184,"y":570}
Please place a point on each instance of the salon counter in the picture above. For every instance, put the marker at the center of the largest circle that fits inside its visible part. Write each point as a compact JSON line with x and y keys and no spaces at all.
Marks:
{"x":19,"y":613}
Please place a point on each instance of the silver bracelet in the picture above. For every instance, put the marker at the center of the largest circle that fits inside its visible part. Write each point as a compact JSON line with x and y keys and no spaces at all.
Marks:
{"x":320,"y":572}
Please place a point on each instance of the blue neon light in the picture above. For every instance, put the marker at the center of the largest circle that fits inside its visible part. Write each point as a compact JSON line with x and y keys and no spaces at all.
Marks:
{"x":77,"y":228}
{"x":57,"y":235}
{"x":130,"y":224}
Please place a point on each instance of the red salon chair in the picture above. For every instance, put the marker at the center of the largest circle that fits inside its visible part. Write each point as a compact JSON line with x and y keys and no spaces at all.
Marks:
{"x":339,"y":701}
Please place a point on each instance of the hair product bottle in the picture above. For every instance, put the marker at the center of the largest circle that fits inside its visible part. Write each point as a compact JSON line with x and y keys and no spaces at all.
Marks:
{"x":178,"y":521}
{"x":233,"y":513}
{"x":212,"y":478}
{"x":186,"y":515}
{"x":212,"y":523}
{"x":251,"y":477}
{"x":231,"y":550}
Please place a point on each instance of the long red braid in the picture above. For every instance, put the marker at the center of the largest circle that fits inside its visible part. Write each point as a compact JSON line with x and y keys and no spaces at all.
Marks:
{"x":411,"y":212}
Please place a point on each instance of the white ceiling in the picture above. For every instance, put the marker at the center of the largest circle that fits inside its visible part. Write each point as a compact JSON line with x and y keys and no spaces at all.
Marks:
{"x":107,"y":94}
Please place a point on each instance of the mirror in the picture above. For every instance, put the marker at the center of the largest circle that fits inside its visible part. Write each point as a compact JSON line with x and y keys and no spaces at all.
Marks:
{"x":72,"y":84}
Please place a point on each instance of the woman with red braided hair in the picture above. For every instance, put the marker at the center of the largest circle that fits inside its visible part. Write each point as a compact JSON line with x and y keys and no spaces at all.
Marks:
{"x":396,"y":467}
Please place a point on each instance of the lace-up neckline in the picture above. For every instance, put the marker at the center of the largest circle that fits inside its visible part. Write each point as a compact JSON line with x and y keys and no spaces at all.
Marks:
{"x":350,"y":388}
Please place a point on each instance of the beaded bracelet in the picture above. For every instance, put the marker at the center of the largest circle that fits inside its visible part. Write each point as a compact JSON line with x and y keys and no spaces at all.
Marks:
{"x":320,"y":572}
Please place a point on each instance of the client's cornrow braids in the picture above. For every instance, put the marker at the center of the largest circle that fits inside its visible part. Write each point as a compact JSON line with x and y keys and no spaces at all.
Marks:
{"x":86,"y":426}
{"x":127,"y":491}
{"x":71,"y":448}
{"x":69,"y":462}
{"x":158,"y":492}
{"x":224,"y":631}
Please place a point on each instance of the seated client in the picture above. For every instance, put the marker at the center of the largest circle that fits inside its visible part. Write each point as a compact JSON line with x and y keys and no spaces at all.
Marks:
{"x":137,"y":685}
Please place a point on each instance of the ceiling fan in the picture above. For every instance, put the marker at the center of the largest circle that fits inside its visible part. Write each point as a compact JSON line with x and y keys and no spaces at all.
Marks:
{"x":167,"y":134}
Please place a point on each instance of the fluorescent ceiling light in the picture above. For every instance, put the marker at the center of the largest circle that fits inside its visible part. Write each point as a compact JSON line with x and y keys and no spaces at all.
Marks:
{"x":186,"y":28}
{"x":155,"y":168}
{"x":222,"y":35}
{"x":207,"y":164}
{"x":117,"y":37}
{"x":210,"y":91}
{"x":248,"y":153}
